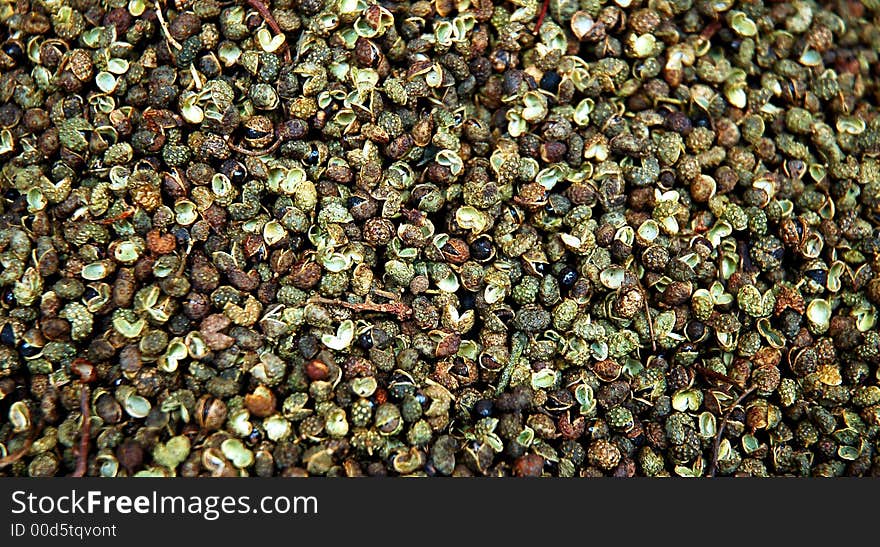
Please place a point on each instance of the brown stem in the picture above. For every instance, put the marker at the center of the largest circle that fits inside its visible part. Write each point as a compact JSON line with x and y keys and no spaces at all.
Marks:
{"x":121,"y":216}
{"x":716,"y":375}
{"x":723,"y":425}
{"x":544,"y":7}
{"x":270,"y":20}
{"x":15,"y":456}
{"x":401,"y":310}
{"x":164,"y":26}
{"x":82,"y":456}
{"x":262,"y":152}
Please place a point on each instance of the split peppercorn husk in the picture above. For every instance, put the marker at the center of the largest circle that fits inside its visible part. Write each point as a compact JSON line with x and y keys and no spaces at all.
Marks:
{"x":350,"y":237}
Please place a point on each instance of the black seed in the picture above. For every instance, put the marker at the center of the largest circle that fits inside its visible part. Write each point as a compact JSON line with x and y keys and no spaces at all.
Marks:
{"x":27,"y":350}
{"x":365,"y":339}
{"x":483,"y":408}
{"x":481,"y":249}
{"x":428,"y":153}
{"x":14,"y":51}
{"x":354,"y":201}
{"x":12,"y":194}
{"x":7,"y":335}
{"x":237,"y":174}
{"x":9,"y":298}
{"x":255,"y":437}
{"x":253,"y":134}
{"x":313,"y":156}
{"x":540,"y":267}
{"x":467,"y":300}
{"x":819,"y":276}
{"x":695,"y":330}
{"x":89,"y":293}
{"x":182,"y":236}
{"x":550,"y":81}
{"x":567,"y":277}
{"x":778,"y":253}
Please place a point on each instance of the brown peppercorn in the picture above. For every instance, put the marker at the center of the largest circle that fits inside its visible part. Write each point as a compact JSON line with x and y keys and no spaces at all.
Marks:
{"x":317,"y":370}
{"x":210,"y":413}
{"x":159,"y":243}
{"x":603,"y":454}
{"x":130,"y":455}
{"x":629,"y":302}
{"x":677,"y":293}
{"x":456,"y":251}
{"x":529,"y":465}
{"x":305,"y":275}
{"x":378,"y":232}
{"x":55,"y":329}
{"x":260,"y":403}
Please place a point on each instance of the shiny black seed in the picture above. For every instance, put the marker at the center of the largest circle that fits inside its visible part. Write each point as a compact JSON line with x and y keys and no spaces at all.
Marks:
{"x":27,"y":350}
{"x":255,"y":437}
{"x":237,"y":174}
{"x":365,"y":339}
{"x":313,"y":156}
{"x":550,"y":81}
{"x":540,"y":267}
{"x":354,"y":201}
{"x":567,"y":277}
{"x":701,"y":121}
{"x":695,"y":330}
{"x":778,"y":253}
{"x":7,"y":335}
{"x":14,"y":51}
{"x":467,"y":300}
{"x":251,"y":133}
{"x":89,"y":293}
{"x":819,"y":276}
{"x":9,"y":297}
{"x":483,"y":408}
{"x":12,"y":194}
{"x":481,"y":249}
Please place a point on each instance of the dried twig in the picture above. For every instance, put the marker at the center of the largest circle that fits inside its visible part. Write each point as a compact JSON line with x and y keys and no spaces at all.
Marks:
{"x":164,"y":26}
{"x":273,"y":24}
{"x":15,"y":456}
{"x":82,"y":455}
{"x":723,"y":425}
{"x":398,"y":308}
{"x":121,"y":216}
{"x":544,"y":7}
{"x":274,"y":146}
{"x":716,"y":375}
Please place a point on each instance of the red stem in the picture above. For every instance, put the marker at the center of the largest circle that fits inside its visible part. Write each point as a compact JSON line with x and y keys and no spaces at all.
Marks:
{"x":273,"y":24}
{"x":544,"y":7}
{"x":82,"y":457}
